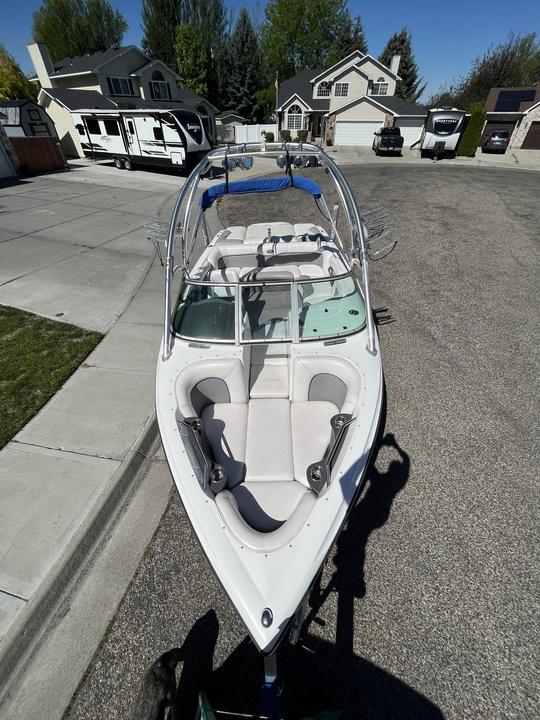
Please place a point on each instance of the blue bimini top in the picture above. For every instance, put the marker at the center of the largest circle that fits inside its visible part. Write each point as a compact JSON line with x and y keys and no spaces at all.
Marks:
{"x":240,"y":187}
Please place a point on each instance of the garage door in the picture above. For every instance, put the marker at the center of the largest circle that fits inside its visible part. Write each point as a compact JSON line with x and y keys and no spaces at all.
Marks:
{"x":5,"y":166}
{"x":494,"y":125}
{"x":410,"y":129}
{"x":355,"y":133}
{"x":532,"y":138}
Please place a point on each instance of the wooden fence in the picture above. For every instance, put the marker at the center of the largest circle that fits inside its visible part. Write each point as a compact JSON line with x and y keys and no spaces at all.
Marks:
{"x":38,"y":154}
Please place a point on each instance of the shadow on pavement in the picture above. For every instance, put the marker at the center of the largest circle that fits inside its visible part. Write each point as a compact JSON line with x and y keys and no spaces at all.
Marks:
{"x":318,"y":675}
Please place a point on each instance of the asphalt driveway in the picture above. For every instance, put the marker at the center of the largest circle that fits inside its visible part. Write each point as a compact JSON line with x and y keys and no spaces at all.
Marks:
{"x":429,"y":603}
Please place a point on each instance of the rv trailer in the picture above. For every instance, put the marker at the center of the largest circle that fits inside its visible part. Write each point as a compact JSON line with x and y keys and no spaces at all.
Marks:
{"x":442,"y":131}
{"x":174,"y":138}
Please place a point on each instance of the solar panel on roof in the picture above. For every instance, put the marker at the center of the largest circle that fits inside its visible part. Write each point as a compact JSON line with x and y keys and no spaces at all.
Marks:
{"x":510,"y":100}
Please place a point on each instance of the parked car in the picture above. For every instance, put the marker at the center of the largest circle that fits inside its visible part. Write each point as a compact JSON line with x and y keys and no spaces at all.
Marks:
{"x":496,"y":141}
{"x":387,"y":139}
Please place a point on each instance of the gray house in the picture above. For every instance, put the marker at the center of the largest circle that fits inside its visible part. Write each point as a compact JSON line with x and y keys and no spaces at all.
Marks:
{"x":121,"y":77}
{"x":24,"y":118}
{"x":347,"y":102}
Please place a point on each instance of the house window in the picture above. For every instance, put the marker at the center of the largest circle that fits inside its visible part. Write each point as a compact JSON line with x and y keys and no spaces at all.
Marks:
{"x":294,"y":118}
{"x":324,"y":89}
{"x":34,"y":115}
{"x":341,"y":89}
{"x":159,"y":89}
{"x":158,"y":133}
{"x":380,"y":87}
{"x":120,"y":86}
{"x":111,"y":127}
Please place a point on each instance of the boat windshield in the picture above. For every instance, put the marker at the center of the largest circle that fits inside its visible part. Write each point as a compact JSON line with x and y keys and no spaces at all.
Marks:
{"x":270,"y":312}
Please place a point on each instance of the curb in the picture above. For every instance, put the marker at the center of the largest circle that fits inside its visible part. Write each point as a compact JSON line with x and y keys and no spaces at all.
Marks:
{"x":29,"y":630}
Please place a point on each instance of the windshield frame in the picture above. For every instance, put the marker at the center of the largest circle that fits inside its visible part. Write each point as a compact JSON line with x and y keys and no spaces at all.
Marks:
{"x":295,"y":311}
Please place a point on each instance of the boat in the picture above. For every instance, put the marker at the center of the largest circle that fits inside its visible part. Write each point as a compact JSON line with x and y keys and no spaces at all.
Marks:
{"x":269,"y":382}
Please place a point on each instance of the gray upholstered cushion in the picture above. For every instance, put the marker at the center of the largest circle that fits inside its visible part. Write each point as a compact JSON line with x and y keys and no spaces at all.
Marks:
{"x":269,"y":450}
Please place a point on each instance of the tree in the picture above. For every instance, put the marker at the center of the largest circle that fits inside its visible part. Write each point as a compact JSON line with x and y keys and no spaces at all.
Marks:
{"x":298,"y":35}
{"x":246,"y":67}
{"x":211,"y":19}
{"x":409,"y":87}
{"x":77,"y":27}
{"x":191,"y":58}
{"x":14,"y":85}
{"x":159,"y":21}
{"x":513,"y":63}
{"x":350,"y":38}
{"x":473,"y":132}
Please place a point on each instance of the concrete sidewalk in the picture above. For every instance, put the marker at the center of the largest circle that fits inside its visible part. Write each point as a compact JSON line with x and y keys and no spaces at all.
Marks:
{"x":517,"y":159}
{"x":74,"y":248}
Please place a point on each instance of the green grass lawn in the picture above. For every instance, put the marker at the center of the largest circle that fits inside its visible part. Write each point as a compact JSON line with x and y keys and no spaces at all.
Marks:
{"x":36,"y":356}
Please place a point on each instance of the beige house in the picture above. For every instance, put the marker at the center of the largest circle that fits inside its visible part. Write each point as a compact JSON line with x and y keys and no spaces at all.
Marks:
{"x":122,"y":77}
{"x":347,"y":102}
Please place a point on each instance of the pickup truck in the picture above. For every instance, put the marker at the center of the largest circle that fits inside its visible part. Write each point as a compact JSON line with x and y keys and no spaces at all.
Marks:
{"x":387,"y":140}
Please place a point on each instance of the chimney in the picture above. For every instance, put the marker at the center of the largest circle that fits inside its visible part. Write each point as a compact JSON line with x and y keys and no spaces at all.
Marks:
{"x":42,"y":63}
{"x":394,"y":64}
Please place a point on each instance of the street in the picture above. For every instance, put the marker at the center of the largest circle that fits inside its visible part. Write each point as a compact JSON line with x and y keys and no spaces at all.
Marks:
{"x":428,"y":606}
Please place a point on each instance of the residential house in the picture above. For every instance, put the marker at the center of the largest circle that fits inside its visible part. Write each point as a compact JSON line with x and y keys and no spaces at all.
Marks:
{"x":516,"y":109}
{"x":123,"y":77}
{"x":348,"y":102}
{"x":8,"y":161}
{"x":24,"y":118}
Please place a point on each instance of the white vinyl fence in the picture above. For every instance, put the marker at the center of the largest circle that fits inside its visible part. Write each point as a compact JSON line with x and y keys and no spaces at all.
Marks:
{"x":252,"y":133}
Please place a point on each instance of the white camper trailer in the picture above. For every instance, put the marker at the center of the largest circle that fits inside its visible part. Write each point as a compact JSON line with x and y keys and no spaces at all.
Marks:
{"x":442,"y":131}
{"x":174,"y":138}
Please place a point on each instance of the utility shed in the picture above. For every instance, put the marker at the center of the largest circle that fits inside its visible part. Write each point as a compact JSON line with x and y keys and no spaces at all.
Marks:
{"x":24,"y":118}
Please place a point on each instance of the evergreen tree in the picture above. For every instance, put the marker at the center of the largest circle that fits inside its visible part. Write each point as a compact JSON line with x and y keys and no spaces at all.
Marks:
{"x":159,"y":21}
{"x":298,"y":35}
{"x":473,"y":132}
{"x":14,"y":85}
{"x":191,"y":59}
{"x":513,"y":63}
{"x":351,"y":37}
{"x":77,"y":27}
{"x":246,"y":67}
{"x":211,"y":20}
{"x":409,"y":87}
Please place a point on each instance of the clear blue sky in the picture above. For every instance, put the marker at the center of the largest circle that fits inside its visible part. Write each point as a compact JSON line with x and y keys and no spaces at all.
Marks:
{"x":443,"y":44}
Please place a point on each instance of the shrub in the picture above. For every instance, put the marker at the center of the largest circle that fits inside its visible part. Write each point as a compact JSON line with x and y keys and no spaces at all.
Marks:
{"x":269,"y":136}
{"x":285,"y":135}
{"x":302,"y":136}
{"x":471,"y":137}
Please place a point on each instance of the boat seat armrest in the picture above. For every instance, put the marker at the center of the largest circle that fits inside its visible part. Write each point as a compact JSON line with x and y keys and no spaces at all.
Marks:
{"x":318,"y":473}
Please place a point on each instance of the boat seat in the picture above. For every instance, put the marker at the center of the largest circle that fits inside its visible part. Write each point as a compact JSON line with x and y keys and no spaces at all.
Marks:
{"x":226,"y":275}
{"x":269,"y":372}
{"x":309,"y":232}
{"x":311,"y":434}
{"x":225,"y":425}
{"x":258,"y":232}
{"x":269,"y":453}
{"x":325,"y":378}
{"x":258,"y":503}
{"x":236,"y":233}
{"x":272,"y":272}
